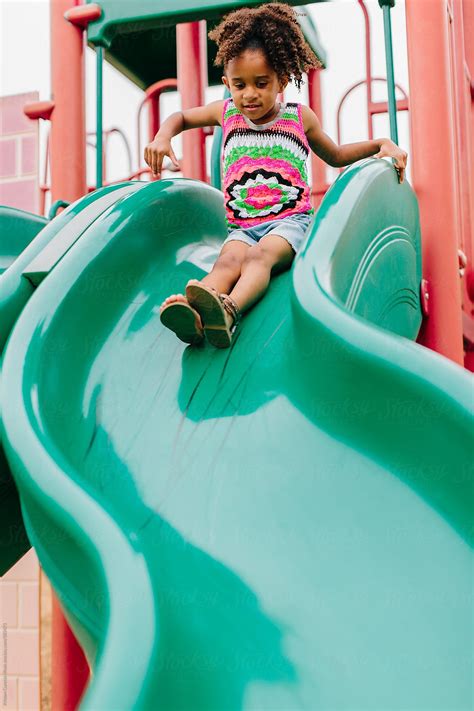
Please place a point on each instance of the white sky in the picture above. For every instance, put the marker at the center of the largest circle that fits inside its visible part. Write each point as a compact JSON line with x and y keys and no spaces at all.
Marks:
{"x":25,"y":66}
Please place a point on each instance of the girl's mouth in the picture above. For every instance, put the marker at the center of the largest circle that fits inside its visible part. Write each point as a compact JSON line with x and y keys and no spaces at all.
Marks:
{"x":252,"y":107}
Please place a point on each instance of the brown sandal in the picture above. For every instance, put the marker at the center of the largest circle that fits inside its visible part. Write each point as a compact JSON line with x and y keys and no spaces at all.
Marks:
{"x":184,"y":321}
{"x":212,"y":308}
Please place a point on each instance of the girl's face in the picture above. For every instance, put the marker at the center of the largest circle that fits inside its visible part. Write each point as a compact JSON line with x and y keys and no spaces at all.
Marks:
{"x":253,"y":84}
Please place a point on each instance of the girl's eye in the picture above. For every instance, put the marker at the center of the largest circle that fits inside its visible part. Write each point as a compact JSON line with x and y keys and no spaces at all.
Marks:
{"x":261,"y":85}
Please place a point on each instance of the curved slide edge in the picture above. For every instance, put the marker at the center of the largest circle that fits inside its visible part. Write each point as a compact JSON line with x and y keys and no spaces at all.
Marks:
{"x":428,"y":403}
{"x":43,"y":243}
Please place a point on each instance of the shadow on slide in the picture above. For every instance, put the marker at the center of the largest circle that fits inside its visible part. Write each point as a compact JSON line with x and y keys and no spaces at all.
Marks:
{"x":286,"y":524}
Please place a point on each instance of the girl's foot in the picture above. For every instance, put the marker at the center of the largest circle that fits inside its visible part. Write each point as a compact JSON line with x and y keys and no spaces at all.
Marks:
{"x":177,"y":315}
{"x":219,"y":313}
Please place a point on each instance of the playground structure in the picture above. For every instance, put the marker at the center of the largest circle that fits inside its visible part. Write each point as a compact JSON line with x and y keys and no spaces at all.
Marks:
{"x":381,"y":270}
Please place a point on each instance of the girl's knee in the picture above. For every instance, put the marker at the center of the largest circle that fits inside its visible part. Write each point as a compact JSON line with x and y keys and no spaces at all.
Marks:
{"x":258,"y":253}
{"x":230,"y":261}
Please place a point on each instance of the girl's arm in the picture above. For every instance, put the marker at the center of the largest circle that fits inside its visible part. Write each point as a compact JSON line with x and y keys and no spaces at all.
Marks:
{"x":339,"y":156}
{"x":197,"y":117}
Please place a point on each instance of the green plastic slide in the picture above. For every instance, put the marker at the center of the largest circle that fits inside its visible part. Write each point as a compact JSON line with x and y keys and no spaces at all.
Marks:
{"x":286,"y":524}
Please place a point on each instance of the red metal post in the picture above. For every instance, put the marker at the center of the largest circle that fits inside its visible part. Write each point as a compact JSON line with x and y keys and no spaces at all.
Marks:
{"x":153,"y":117}
{"x":462,"y":103}
{"x":152,"y":99}
{"x":434,"y":171}
{"x":468,"y":18}
{"x":464,"y":151}
{"x":68,"y":141}
{"x":318,"y":167}
{"x":70,"y":670}
{"x":191,"y":46}
{"x":368,"y":67}
{"x":68,"y":182}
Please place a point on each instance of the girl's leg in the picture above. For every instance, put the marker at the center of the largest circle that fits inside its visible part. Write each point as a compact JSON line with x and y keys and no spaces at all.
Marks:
{"x":227,"y":267}
{"x":224,"y":273}
{"x":271,"y":255}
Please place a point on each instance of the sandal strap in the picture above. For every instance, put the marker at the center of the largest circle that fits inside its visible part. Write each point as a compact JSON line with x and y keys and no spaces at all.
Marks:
{"x":231,"y":308}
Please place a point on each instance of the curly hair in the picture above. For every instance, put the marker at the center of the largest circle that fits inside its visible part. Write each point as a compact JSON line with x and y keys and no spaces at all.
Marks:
{"x":275,"y":30}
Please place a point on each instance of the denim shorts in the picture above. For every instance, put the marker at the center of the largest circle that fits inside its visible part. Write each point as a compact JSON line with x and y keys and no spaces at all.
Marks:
{"x":292,"y":228}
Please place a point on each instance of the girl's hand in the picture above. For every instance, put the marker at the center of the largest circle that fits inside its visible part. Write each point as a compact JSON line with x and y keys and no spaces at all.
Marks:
{"x":389,"y":149}
{"x":156,"y":151}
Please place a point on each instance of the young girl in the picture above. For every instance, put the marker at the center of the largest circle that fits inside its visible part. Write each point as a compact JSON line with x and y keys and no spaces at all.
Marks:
{"x":265,"y":147}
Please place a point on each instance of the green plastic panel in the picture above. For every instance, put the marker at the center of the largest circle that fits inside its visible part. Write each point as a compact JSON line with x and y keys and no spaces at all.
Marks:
{"x":45,"y":260}
{"x":17,"y":229}
{"x":375,"y":242}
{"x":18,"y":281}
{"x":140,"y":37}
{"x":286,"y":524}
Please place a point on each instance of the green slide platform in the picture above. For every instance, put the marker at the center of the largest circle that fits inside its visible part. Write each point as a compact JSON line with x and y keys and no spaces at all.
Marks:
{"x":286,"y":524}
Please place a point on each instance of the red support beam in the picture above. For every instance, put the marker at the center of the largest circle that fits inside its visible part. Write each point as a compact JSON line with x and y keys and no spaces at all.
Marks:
{"x":464,"y":160}
{"x":70,"y":670}
{"x":68,"y":138}
{"x":462,"y":105}
{"x":468,"y":21}
{"x":434,"y":172}
{"x":191,"y":48}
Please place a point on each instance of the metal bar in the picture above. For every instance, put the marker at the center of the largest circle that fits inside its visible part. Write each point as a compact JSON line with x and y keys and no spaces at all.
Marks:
{"x":368,"y":67}
{"x":99,"y":110}
{"x":152,"y":94}
{"x":402,"y":104}
{"x":381,"y":107}
{"x":392,"y":107}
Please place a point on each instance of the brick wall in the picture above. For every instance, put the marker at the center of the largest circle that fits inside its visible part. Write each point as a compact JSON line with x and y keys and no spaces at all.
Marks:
{"x":19,"y":603}
{"x":18,"y":153}
{"x":19,"y":588}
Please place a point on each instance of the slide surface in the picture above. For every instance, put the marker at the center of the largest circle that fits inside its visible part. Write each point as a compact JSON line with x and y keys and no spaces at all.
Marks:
{"x":286,"y":524}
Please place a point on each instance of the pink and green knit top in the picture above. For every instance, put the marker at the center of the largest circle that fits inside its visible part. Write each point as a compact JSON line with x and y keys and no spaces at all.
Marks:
{"x":264,"y":174}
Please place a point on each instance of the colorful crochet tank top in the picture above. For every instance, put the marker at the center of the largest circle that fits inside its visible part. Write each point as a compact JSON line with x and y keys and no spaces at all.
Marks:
{"x":264,"y":176}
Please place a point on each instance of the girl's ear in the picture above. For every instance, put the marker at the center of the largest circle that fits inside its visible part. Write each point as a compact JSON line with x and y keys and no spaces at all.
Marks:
{"x":225,"y":81}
